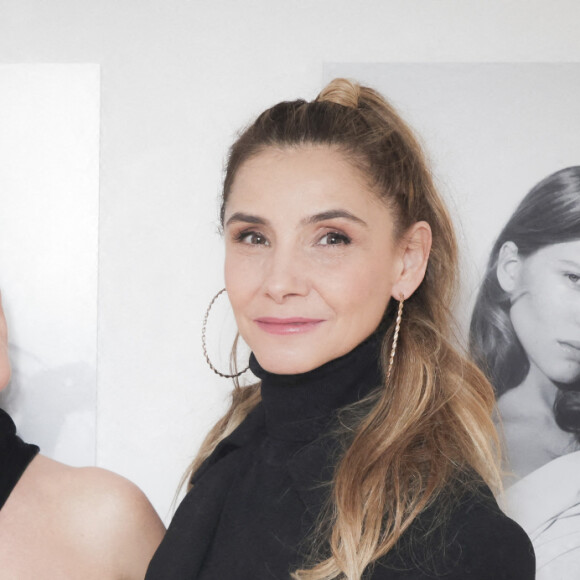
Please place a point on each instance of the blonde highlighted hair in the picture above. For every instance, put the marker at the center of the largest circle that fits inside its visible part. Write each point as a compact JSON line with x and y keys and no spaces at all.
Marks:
{"x":429,"y":430}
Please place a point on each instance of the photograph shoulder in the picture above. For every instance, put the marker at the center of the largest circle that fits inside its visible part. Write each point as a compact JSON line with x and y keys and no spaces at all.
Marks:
{"x":96,"y":523}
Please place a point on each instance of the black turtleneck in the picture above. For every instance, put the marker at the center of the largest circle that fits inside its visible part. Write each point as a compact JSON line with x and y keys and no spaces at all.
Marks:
{"x":299,"y":407}
{"x":15,"y":455}
{"x":256,"y":499}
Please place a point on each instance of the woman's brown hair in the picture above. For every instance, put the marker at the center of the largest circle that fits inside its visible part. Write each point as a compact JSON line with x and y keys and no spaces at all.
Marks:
{"x":429,"y":430}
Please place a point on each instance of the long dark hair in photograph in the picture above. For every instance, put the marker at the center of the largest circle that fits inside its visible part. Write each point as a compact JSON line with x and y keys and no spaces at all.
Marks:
{"x":549,"y":214}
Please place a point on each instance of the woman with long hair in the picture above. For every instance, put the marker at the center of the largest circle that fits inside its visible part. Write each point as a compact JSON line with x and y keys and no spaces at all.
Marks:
{"x":366,"y":449}
{"x":525,"y":336}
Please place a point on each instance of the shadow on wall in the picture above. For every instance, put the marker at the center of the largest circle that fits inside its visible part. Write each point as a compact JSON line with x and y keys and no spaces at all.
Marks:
{"x":53,"y":407}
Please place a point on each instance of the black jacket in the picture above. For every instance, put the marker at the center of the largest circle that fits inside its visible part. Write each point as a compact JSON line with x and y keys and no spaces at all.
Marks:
{"x":478,"y":542}
{"x":257,"y":498}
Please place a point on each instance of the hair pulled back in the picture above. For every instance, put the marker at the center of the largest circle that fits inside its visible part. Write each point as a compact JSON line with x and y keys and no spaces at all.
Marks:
{"x":429,"y":426}
{"x":548,"y":214}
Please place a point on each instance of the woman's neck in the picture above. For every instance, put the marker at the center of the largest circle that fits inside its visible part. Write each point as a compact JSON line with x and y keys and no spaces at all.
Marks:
{"x":532,"y":436}
{"x":539,"y":388}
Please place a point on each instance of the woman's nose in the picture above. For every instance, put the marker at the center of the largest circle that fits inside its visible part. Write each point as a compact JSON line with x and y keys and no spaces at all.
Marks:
{"x":285,"y":275}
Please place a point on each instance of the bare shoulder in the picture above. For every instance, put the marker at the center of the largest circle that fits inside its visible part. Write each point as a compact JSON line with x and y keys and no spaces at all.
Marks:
{"x":107,"y":518}
{"x":124,"y":526}
{"x":66,"y":522}
{"x":113,"y":496}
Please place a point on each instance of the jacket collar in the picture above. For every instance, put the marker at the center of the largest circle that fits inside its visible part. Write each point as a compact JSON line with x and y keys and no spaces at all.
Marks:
{"x":311,"y":468}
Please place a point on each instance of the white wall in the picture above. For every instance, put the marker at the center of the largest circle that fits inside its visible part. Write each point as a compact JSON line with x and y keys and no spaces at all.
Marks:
{"x":49,"y":200}
{"x":178,"y":78}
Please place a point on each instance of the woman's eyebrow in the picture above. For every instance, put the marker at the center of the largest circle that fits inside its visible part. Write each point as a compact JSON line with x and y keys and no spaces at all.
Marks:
{"x":313,"y":219}
{"x":246,"y":218}
{"x":332,"y":214}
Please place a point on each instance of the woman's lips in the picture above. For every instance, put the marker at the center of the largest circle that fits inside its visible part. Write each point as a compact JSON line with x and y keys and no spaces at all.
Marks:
{"x":295,"y":325}
{"x":571,"y":346}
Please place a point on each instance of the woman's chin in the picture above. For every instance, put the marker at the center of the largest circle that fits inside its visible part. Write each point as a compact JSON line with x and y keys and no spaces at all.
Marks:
{"x":294,"y":357}
{"x":569,"y":386}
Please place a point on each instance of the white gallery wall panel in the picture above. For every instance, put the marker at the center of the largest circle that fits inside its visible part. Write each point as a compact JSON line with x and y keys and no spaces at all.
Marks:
{"x":49,"y":192}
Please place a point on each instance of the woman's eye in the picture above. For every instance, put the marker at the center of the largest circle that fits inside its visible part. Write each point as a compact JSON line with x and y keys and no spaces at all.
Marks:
{"x":574,"y":278}
{"x":334,"y":239}
{"x":254,"y":238}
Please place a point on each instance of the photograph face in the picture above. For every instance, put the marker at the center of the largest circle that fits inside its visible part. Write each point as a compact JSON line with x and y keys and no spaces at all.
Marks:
{"x":545,"y":312}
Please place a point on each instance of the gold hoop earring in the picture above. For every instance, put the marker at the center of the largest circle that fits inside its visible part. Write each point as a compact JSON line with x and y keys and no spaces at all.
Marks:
{"x":396,"y":336}
{"x":204,"y":346}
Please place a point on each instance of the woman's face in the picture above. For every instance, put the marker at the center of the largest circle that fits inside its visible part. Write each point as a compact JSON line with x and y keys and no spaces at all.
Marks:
{"x":310,"y":257}
{"x":545,"y":310}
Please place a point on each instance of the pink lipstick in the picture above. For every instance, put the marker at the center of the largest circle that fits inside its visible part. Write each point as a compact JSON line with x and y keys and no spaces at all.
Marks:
{"x":295,"y":325}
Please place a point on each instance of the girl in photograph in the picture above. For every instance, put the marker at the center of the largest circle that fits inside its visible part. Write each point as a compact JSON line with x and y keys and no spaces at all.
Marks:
{"x":366,"y":449}
{"x":525,"y":335}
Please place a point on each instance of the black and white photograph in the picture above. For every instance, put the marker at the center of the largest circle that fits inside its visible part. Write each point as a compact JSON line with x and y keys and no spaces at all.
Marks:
{"x":525,"y":335}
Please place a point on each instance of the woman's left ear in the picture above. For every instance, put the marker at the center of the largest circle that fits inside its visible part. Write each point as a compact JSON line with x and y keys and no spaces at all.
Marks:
{"x":414,"y":256}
